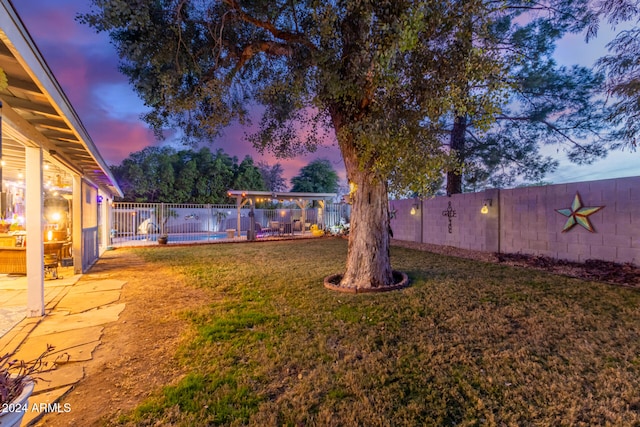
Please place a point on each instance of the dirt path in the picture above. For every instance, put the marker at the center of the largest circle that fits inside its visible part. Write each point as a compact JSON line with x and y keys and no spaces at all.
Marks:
{"x":137,"y":352}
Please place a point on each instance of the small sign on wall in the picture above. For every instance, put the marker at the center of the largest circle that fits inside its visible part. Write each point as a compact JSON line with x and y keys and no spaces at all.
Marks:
{"x":449,"y":213}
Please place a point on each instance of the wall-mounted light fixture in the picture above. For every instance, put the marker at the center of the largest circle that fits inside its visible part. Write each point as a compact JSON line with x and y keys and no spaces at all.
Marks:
{"x":485,"y":206}
{"x":414,"y":208}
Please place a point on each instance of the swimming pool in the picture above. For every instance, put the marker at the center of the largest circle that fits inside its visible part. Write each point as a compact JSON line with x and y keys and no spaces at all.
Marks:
{"x":175,"y":238}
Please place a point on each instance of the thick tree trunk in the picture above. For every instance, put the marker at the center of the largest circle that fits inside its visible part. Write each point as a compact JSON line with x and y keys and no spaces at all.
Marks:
{"x":456,"y":144}
{"x":368,"y":260}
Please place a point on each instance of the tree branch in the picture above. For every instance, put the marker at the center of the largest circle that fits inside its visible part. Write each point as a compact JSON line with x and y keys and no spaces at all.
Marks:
{"x":550,"y":126}
{"x":270,"y":47}
{"x":268,"y":26}
{"x":263,"y":46}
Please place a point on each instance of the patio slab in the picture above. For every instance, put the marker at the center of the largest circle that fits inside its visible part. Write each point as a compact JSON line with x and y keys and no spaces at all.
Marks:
{"x":69,"y":346}
{"x":10,"y":296}
{"x":63,"y":321}
{"x":45,"y":403}
{"x":79,"y":302}
{"x":99,"y":285}
{"x":10,"y":317}
{"x":76,"y":309}
{"x":62,"y":376}
{"x":10,"y":341}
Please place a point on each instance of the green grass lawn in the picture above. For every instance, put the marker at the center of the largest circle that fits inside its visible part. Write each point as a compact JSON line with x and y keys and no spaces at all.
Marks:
{"x":468,"y":343}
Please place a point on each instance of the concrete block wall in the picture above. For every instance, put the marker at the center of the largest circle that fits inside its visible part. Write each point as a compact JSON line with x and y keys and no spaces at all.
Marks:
{"x":404,"y":225}
{"x":470,"y":229}
{"x":524,"y":220}
{"x":531,"y":225}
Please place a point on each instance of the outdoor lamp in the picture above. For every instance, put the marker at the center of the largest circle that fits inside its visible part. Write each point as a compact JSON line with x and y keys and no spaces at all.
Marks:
{"x":485,"y":206}
{"x":414,"y":209}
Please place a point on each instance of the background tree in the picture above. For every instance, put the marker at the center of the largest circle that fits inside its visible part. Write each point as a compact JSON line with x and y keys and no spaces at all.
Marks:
{"x":317,"y":177}
{"x":186,"y":169}
{"x":217,"y":175}
{"x":166,"y":175}
{"x":621,"y":66}
{"x":248,"y":176}
{"x":546,"y":104}
{"x":272,"y":176}
{"x":147,"y":175}
{"x":382,"y":74}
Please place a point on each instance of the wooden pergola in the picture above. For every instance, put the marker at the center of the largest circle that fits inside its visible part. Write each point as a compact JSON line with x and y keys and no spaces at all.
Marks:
{"x":244,"y":197}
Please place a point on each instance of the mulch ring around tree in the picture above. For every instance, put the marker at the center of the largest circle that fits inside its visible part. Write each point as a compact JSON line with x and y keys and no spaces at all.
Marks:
{"x":400,"y":280}
{"x":625,"y":274}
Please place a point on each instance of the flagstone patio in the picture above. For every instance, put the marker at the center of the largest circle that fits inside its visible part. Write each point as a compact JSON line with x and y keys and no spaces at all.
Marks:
{"x":76,"y":307}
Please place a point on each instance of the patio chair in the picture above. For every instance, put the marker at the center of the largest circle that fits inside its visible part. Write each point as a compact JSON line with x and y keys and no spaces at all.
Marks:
{"x":274,"y":226}
{"x":51,"y":265}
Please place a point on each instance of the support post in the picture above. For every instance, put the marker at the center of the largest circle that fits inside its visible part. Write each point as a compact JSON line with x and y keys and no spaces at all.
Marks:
{"x":238,"y":206}
{"x":251,"y":233}
{"x":104,"y":222}
{"x":35,"y":232}
{"x":76,"y":225}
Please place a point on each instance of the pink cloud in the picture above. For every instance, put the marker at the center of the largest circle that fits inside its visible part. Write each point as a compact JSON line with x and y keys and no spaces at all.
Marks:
{"x":85,"y":65}
{"x":116,"y":139}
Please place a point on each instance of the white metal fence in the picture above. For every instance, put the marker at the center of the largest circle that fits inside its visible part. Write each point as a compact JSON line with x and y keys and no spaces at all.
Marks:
{"x":142,"y":223}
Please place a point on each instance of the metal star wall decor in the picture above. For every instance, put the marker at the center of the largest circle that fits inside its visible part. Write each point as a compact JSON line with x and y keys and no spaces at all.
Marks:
{"x":578,"y":214}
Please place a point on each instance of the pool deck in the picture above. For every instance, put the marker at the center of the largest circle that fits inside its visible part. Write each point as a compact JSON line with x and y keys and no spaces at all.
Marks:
{"x":152,"y":240}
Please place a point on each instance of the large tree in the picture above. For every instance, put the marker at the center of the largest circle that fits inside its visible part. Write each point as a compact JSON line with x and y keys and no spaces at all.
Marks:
{"x":546,"y":104}
{"x":248,"y":176}
{"x":316,"y":177}
{"x":381,"y":73}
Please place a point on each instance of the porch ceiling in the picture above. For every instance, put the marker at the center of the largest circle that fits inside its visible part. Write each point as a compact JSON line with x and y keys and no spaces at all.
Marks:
{"x":36,"y":112}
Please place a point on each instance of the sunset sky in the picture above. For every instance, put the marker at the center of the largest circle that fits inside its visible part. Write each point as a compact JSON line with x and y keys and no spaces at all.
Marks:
{"x":85,"y":65}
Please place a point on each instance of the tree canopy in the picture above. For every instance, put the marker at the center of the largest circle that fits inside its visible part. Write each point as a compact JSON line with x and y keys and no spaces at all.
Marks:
{"x":272,"y":176}
{"x":319,"y":176}
{"x":545,"y":104}
{"x":384,"y":75}
{"x":360,"y":68}
{"x":621,"y":66}
{"x":166,"y":175}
